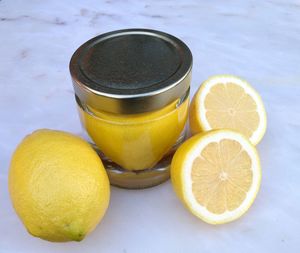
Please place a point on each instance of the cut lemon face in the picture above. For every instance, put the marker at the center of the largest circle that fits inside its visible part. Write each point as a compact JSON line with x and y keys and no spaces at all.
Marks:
{"x":226,"y":101}
{"x":216,"y":175}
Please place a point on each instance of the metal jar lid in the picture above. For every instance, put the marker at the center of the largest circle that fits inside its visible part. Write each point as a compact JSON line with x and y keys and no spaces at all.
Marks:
{"x":131,"y":71}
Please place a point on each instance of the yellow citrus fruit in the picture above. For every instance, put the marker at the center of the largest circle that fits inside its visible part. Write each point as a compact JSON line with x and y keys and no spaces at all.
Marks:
{"x":226,"y":101}
{"x":58,"y":186}
{"x":216,"y":175}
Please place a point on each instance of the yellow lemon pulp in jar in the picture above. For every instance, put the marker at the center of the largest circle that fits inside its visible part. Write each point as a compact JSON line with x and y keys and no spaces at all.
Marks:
{"x":136,"y":141}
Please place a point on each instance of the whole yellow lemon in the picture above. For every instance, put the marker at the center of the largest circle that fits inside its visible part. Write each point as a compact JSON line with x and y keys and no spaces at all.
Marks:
{"x":58,"y":186}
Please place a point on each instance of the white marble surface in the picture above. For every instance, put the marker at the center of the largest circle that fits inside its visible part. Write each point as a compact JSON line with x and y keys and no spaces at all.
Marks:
{"x":258,"y":40}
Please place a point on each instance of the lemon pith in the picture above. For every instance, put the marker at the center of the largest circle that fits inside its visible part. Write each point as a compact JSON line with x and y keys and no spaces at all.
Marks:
{"x":216,"y":175}
{"x":58,"y":186}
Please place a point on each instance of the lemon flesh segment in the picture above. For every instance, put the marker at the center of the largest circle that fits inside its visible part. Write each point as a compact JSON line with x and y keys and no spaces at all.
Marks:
{"x":230,"y":102}
{"x":219,"y":175}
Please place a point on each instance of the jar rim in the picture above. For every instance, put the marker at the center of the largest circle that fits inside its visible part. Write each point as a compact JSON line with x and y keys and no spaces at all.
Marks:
{"x":85,"y":108}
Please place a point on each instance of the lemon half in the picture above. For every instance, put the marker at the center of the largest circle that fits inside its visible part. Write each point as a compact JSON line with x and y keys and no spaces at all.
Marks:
{"x":226,"y":101}
{"x":216,"y":175}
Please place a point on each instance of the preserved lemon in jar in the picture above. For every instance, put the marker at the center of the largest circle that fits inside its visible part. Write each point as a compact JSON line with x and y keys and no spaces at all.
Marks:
{"x":132,"y":91}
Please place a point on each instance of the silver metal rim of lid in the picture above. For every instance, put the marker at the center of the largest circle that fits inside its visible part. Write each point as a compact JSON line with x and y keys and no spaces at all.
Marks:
{"x":133,"y":103}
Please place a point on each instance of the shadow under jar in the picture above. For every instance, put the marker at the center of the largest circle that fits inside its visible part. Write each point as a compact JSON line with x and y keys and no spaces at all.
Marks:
{"x":132,"y":90}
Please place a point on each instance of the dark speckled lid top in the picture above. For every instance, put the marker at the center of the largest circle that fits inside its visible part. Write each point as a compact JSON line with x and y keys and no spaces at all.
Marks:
{"x":131,"y":71}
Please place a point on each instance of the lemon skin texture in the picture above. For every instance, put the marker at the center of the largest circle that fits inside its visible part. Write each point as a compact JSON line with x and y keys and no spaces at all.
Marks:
{"x":58,"y":186}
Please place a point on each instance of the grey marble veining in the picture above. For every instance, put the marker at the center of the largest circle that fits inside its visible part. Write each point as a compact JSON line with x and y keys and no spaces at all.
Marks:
{"x":258,"y":40}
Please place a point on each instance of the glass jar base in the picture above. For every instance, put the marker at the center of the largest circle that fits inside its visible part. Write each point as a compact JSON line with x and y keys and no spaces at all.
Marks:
{"x":140,"y":179}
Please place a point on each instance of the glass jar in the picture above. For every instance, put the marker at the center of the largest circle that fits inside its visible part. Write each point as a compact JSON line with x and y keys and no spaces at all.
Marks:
{"x":132,"y":91}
